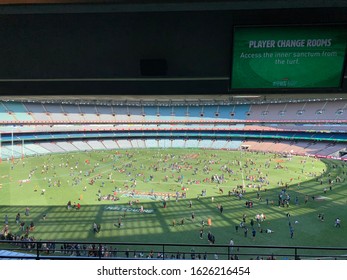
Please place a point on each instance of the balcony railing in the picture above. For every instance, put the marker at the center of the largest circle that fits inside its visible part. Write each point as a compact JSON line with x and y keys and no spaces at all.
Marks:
{"x":120,"y":250}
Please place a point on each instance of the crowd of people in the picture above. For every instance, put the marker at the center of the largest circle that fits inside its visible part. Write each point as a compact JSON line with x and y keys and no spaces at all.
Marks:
{"x":203,"y":172}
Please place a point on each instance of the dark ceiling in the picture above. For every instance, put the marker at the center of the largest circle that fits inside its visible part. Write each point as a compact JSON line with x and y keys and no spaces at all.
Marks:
{"x":97,"y":47}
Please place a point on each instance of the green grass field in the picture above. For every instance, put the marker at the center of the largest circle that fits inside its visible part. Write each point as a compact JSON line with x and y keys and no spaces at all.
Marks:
{"x":152,"y":175}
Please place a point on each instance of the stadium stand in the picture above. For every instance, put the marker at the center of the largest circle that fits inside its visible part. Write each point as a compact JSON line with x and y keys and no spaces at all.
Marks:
{"x":4,"y":114}
{"x":69,"y":147}
{"x":303,"y":127}
{"x":96,"y":145}
{"x":177,"y":143}
{"x":124,"y":144}
{"x":52,"y":147}
{"x":36,"y":149}
{"x":81,"y":146}
{"x":270,"y":112}
{"x":105,"y":113}
{"x":18,"y":111}
{"x":151,"y":143}
{"x":110,"y":144}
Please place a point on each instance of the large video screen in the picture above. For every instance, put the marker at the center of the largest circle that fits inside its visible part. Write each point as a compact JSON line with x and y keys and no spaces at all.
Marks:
{"x":288,"y":57}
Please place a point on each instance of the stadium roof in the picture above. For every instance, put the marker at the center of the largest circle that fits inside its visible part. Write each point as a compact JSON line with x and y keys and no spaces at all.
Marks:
{"x":27,"y":60}
{"x":187,"y":4}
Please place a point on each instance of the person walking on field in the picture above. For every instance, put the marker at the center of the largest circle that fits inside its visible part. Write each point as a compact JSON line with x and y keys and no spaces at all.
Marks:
{"x":337,"y":222}
{"x":201,"y":233}
{"x":291,"y":230}
{"x":254,"y":233}
{"x":231,"y":246}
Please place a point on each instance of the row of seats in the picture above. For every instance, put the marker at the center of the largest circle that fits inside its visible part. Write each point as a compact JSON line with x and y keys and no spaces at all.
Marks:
{"x":295,"y":147}
{"x":51,"y":113}
{"x":7,"y":151}
{"x":300,"y":148}
{"x":31,"y":112}
{"x":110,"y":127}
{"x":29,"y":129}
{"x":197,"y":134}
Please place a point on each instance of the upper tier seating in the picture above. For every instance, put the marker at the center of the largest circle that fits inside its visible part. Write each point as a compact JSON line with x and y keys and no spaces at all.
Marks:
{"x":69,"y":113}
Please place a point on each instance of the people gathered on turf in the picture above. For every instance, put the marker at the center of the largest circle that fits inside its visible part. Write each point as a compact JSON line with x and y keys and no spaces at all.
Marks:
{"x":179,"y":188}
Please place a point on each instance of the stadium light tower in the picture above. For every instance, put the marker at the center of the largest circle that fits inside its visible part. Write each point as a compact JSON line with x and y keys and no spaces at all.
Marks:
{"x":12,"y":145}
{"x":22,"y":149}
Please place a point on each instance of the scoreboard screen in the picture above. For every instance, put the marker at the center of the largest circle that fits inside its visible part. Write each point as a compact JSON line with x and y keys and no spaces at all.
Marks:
{"x":288,"y":57}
